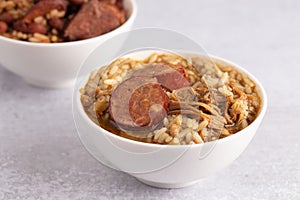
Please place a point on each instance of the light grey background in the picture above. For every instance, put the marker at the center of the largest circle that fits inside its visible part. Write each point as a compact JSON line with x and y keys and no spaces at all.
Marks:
{"x":41,"y":156}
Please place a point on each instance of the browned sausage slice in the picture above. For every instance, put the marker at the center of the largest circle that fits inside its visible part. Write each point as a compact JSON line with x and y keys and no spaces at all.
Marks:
{"x":148,"y":105}
{"x":30,"y":28}
{"x":138,"y":102}
{"x":93,"y":19}
{"x":171,"y":78}
{"x":44,"y":7}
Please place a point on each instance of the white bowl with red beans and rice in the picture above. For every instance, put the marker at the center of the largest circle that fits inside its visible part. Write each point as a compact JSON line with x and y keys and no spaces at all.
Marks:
{"x":46,"y":41}
{"x":168,"y":120}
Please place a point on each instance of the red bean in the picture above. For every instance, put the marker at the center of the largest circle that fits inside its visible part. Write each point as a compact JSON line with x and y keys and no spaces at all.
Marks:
{"x":6,"y":17}
{"x":37,"y":28}
{"x":30,"y":28}
{"x":56,"y":23}
{"x":3,"y":27}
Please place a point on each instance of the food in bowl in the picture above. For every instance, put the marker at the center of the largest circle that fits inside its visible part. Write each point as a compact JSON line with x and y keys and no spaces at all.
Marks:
{"x":170,"y":99}
{"x":55,"y":65}
{"x":52,"y":21}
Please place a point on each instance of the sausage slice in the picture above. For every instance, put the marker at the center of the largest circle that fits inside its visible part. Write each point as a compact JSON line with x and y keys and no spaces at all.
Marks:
{"x":138,"y":102}
{"x":93,"y":19}
{"x":44,"y":7}
{"x":171,"y":78}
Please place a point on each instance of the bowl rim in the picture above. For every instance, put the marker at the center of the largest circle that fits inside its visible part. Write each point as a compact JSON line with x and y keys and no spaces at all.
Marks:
{"x":128,"y":22}
{"x":258,"y":119}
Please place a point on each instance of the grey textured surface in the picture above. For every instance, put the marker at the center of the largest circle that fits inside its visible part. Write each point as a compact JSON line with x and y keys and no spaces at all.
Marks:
{"x":41,"y":156}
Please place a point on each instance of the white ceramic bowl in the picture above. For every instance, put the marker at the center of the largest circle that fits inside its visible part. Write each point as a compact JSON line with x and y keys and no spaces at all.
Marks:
{"x":165,"y":166}
{"x":54,"y":65}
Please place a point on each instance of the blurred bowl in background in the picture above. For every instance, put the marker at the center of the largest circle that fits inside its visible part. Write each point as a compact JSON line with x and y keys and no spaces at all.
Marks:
{"x":55,"y":65}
